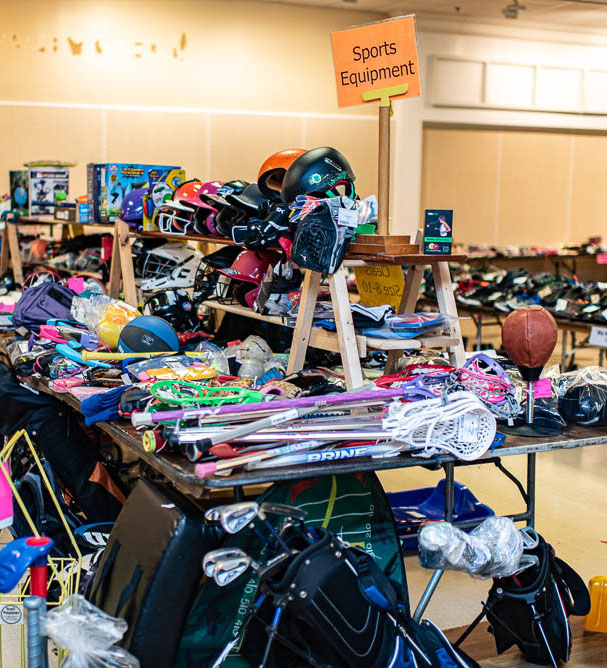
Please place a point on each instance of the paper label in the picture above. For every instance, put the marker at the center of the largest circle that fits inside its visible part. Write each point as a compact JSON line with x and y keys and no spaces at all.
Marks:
{"x":542,"y":388}
{"x":378,"y":285}
{"x":347,"y":217}
{"x":11,"y":615}
{"x":595,"y":298}
{"x":561,"y":304}
{"x":598,"y":336}
{"x":601,"y":258}
{"x":591,"y":308}
{"x":468,"y":428}
{"x":284,"y":417}
{"x":544,"y":292}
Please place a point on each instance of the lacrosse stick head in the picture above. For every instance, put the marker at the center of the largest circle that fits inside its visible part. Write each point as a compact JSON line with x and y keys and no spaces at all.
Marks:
{"x":529,"y":337}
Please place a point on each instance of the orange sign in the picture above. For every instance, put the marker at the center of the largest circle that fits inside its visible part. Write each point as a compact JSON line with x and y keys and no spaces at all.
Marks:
{"x":375,"y":56}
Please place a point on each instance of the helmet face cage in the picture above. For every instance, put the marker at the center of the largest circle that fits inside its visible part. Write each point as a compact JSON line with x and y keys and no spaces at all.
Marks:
{"x":156,"y":267}
{"x":174,"y":220}
{"x":169,"y":272}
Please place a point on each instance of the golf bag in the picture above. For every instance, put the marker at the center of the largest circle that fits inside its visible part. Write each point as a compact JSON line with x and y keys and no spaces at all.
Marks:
{"x":338,"y":609}
{"x":531,"y":609}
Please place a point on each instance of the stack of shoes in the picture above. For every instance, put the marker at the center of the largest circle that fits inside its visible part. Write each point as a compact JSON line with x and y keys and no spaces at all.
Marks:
{"x":506,"y":291}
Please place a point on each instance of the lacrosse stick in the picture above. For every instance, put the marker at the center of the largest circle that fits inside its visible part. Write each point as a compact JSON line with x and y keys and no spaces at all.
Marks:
{"x":462,"y":426}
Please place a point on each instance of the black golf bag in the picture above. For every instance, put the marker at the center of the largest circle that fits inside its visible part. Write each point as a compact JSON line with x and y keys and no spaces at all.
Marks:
{"x":333,"y":606}
{"x":531,"y":609}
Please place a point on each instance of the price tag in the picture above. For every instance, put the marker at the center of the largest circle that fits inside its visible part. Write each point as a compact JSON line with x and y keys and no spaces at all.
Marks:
{"x":561,"y":304}
{"x":542,"y":388}
{"x":468,"y":428}
{"x":601,"y":258}
{"x":598,"y":336}
{"x":347,"y":217}
{"x":380,"y":285}
{"x":595,"y":298}
{"x":544,"y":292}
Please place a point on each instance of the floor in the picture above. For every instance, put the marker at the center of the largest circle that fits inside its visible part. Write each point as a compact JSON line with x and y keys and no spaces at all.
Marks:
{"x":571,"y":515}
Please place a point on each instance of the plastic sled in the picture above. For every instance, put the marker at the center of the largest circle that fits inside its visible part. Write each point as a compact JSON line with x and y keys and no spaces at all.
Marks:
{"x":414,"y":507}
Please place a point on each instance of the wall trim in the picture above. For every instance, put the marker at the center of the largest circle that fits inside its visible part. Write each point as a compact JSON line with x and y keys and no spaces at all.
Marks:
{"x":184,"y":110}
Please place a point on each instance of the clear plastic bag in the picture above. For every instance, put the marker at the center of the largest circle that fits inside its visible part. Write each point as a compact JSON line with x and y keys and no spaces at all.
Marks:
{"x":492,"y":550}
{"x":103,"y":316}
{"x":89,"y":635}
{"x":582,"y":396}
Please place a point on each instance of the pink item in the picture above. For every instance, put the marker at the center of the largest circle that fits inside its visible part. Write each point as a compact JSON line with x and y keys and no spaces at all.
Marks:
{"x":76,"y":283}
{"x":542,"y":388}
{"x":6,"y":500}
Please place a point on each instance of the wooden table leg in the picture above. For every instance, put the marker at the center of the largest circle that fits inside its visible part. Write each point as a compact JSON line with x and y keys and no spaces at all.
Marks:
{"x":303,"y":326}
{"x":115,"y":270}
{"x":13,"y":247}
{"x":126,"y":263}
{"x":4,"y":255}
{"x":346,"y":333}
{"x":447,"y":306}
{"x":408,"y":302}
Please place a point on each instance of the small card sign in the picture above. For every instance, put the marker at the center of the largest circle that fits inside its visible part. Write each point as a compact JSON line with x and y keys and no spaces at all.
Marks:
{"x":438,"y":231}
{"x":598,"y":336}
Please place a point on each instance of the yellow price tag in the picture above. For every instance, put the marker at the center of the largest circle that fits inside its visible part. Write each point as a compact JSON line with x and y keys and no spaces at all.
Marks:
{"x":379,"y":285}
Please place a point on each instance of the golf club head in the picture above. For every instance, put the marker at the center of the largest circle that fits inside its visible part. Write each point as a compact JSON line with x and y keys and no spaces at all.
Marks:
{"x":211,"y":558}
{"x":233,"y":517}
{"x":282,"y":509}
{"x":227,"y":570}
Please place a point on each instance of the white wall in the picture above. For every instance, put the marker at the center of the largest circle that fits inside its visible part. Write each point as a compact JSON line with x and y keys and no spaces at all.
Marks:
{"x":483,"y":43}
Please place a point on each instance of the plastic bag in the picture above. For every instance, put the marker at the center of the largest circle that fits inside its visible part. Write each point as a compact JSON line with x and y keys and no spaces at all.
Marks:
{"x":492,"y":550}
{"x":104,"y":316}
{"x":171,"y":367}
{"x":89,"y":635}
{"x":582,"y":396}
{"x":214,"y":356}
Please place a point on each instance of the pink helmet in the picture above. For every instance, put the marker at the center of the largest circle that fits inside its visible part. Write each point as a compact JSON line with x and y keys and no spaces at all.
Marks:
{"x":249,"y":267}
{"x":189,"y":193}
{"x":208,"y":211}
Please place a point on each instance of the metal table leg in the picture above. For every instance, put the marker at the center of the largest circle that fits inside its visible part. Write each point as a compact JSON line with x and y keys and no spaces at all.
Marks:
{"x":438,"y":574}
{"x":531,"y":489}
{"x":564,"y":351}
{"x":478,"y":321}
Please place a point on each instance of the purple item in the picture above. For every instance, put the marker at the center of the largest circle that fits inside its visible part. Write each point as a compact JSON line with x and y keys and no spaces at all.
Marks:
{"x":47,"y":301}
{"x":343,"y":398}
{"x":131,"y":211}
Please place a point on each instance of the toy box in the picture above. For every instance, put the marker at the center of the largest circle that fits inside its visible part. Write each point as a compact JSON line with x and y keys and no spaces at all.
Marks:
{"x":109,"y":183}
{"x":19,"y":189}
{"x":160,"y":190}
{"x":45,"y":183}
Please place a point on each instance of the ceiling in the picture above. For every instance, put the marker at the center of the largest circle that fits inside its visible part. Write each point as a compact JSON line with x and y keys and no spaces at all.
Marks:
{"x":565,"y":14}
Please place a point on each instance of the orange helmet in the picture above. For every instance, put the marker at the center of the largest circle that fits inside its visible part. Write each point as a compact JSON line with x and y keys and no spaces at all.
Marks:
{"x":274,"y":168}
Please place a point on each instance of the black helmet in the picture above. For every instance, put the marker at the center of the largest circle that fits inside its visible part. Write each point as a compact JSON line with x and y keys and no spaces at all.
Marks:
{"x":175,"y":307}
{"x":234,"y":187}
{"x":318,"y":173}
{"x":251,"y":199}
{"x":205,"y":283}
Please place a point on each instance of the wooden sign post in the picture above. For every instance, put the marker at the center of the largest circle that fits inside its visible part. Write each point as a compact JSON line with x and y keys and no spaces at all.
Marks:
{"x":378,"y":61}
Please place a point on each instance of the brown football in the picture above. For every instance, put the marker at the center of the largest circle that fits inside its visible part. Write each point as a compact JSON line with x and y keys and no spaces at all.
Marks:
{"x":529,"y":336}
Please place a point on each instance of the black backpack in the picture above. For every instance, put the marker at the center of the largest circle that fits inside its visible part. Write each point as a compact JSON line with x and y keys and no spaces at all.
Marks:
{"x":531,"y":609}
